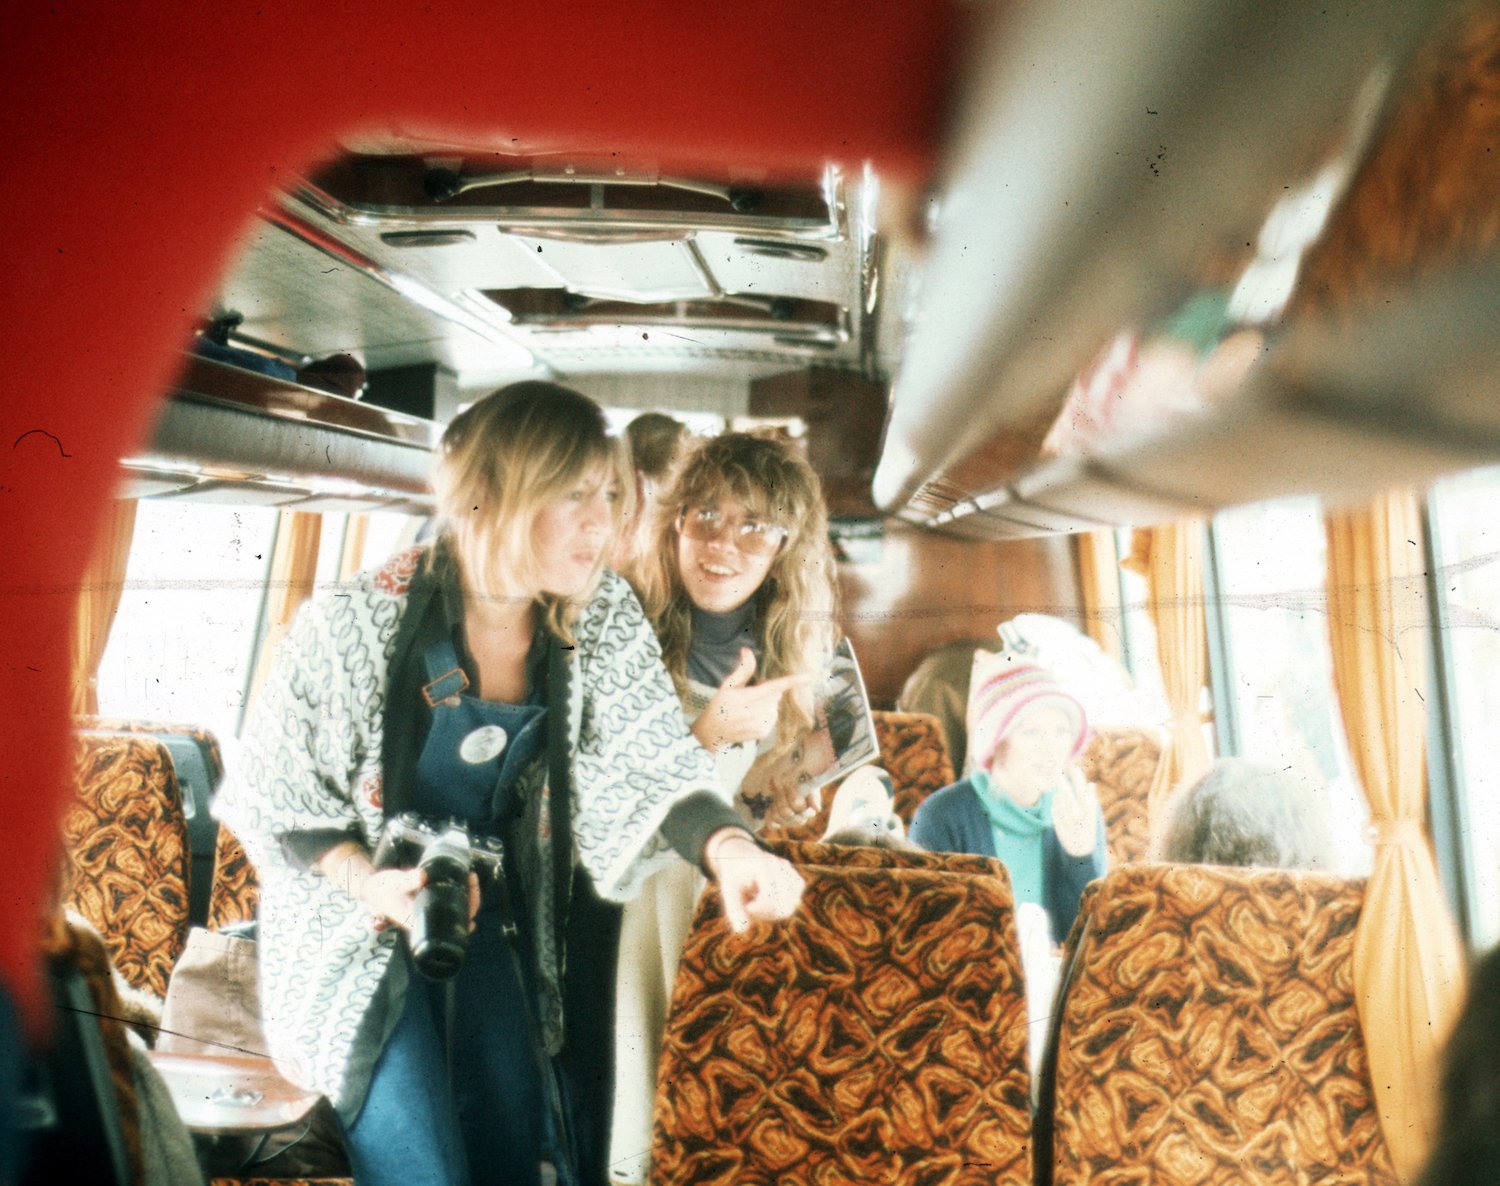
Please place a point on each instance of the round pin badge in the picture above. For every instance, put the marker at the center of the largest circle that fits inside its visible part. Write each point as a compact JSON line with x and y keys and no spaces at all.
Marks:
{"x":482,"y":744}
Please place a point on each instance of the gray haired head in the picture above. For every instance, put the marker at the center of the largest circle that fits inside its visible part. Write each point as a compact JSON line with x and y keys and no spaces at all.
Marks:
{"x":1243,"y":813}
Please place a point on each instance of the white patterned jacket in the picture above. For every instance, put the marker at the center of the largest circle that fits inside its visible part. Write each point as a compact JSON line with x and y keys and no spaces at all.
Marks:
{"x":311,"y":760}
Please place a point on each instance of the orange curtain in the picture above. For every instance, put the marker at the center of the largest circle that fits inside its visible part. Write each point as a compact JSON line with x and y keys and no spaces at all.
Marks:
{"x":98,"y":602}
{"x":1170,"y":557}
{"x":1099,"y":580}
{"x":1408,"y":962}
{"x":352,"y":558}
{"x":294,"y":568}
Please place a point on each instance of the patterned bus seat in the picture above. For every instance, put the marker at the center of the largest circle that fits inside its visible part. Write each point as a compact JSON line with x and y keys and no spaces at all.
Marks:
{"x":200,"y":768}
{"x":126,"y":845}
{"x":878,"y":1036}
{"x":1121,"y":762}
{"x":236,"y":892}
{"x":1208,"y":1035}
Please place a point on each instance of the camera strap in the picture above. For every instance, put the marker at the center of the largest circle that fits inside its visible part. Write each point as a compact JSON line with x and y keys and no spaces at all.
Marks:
{"x":561,"y":1128}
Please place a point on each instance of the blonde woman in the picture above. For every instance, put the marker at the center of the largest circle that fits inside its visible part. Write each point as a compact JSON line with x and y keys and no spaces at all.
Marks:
{"x":505,"y":680}
{"x":740,"y":587}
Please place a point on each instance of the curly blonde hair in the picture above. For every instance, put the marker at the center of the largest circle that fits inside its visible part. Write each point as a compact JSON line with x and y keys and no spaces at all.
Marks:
{"x":797,"y":603}
{"x":502,"y":460}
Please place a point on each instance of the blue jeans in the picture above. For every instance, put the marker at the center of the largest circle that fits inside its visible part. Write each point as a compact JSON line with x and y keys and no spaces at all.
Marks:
{"x":491,"y":1124}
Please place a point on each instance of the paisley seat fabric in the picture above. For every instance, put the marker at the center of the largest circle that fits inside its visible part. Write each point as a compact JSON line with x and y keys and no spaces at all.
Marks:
{"x":126,"y":868}
{"x":878,"y":1036}
{"x":868,"y":856}
{"x":912,"y":752}
{"x":1121,"y":764}
{"x":1208,"y":1035}
{"x":235,"y":893}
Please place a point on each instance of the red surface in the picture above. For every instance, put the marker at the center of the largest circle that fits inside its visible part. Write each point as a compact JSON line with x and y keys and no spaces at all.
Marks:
{"x":142,"y":138}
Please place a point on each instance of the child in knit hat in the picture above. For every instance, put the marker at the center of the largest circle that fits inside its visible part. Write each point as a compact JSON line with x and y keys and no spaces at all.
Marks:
{"x":1026,"y":801}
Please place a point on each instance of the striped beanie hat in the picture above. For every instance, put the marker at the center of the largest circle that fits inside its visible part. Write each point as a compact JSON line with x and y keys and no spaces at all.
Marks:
{"x":1002,"y":688}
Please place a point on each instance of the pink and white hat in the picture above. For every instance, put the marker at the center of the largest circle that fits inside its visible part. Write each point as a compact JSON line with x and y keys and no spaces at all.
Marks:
{"x":1002,"y":689}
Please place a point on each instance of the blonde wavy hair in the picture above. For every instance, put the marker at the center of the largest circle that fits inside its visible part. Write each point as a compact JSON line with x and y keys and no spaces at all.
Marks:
{"x":502,"y":460}
{"x":797,"y":603}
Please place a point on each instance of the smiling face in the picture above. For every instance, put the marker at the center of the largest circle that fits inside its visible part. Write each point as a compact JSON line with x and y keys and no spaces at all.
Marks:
{"x":716,"y":573}
{"x":570,"y":533}
{"x":1035,"y":753}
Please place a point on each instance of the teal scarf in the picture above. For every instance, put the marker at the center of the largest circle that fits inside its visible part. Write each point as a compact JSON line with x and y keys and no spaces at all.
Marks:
{"x":1019,"y":835}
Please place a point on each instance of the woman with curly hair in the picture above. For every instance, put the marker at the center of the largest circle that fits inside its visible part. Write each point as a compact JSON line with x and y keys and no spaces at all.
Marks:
{"x":739,"y":584}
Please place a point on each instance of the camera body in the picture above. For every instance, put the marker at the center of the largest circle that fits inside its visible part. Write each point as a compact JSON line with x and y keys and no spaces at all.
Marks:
{"x":446,"y":853}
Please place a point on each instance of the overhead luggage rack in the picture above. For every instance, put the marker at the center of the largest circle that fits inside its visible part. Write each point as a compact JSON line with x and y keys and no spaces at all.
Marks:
{"x":604,"y":197}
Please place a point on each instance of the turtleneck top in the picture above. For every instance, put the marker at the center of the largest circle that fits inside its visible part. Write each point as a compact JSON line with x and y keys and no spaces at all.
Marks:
{"x":716,"y":642}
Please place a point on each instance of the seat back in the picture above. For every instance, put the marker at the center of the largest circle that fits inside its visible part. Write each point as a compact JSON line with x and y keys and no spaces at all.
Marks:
{"x":199,"y":764}
{"x":235,"y":894}
{"x":1208,"y":1034}
{"x":912,"y":752}
{"x":1121,"y":763}
{"x":877,"y":1036}
{"x":869,"y":856}
{"x":84,"y":1115}
{"x":126,"y":845}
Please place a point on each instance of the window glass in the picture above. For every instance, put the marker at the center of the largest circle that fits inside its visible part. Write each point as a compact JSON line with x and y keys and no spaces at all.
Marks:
{"x":1273,"y":565}
{"x":180,"y":647}
{"x":388,"y":533}
{"x":1468,"y":540}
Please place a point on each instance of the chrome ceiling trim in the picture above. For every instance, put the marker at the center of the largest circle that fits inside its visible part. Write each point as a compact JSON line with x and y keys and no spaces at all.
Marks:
{"x":535,"y":220}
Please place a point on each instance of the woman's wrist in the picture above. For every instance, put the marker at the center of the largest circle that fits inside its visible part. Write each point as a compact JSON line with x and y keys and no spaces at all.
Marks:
{"x":348,"y":866}
{"x":721,"y":844}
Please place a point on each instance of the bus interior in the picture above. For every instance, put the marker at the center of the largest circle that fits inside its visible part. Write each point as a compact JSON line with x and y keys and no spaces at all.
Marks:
{"x":1174,"y":324}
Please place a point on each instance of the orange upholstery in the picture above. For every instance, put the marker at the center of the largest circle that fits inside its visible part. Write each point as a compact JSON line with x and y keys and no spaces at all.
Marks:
{"x":126,"y":845}
{"x":199,"y":764}
{"x":205,"y":740}
{"x":1208,"y":1035}
{"x":1121,"y":762}
{"x":878,"y":1036}
{"x":868,"y":856}
{"x":912,"y":752}
{"x":235,"y":892}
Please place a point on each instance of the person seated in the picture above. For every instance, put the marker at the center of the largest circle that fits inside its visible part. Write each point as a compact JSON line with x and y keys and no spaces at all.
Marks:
{"x":1467,"y":1150}
{"x":939,"y":686}
{"x":1243,"y":813}
{"x":1026,"y":802}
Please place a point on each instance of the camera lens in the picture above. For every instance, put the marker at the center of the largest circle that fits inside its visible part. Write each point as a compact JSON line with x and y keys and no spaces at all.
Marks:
{"x":439,"y":934}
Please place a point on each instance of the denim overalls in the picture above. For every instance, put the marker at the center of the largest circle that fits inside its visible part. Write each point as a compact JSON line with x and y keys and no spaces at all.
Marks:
{"x":498,"y":1126}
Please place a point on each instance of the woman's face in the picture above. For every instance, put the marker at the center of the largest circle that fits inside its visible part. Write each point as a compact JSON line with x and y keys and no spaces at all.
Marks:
{"x":718,"y":572}
{"x":1034,"y":754}
{"x":571,"y":532}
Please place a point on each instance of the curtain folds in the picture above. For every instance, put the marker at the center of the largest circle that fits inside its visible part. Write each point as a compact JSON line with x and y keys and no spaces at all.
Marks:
{"x":1099,"y":581}
{"x":1170,"y":557}
{"x":294,"y":568}
{"x":1408,"y":961}
{"x":98,"y":602}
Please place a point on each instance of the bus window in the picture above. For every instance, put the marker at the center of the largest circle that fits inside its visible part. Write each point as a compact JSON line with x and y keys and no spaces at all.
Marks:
{"x":1272,"y":565}
{"x":1468,"y":547}
{"x":181,"y":645}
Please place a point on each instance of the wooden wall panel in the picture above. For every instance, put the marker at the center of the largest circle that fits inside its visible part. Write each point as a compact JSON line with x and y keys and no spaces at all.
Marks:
{"x":928,"y":590}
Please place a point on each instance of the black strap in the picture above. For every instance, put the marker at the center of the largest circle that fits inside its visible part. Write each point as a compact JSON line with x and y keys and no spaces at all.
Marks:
{"x":567,"y":1173}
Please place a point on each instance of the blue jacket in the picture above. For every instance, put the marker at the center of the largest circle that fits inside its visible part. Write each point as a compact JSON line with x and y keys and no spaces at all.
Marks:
{"x":952,"y":820}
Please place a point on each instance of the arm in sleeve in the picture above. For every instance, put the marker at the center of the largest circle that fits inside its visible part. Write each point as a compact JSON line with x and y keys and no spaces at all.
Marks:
{"x":301,"y":742}
{"x":635,"y":757}
{"x":932,"y":827}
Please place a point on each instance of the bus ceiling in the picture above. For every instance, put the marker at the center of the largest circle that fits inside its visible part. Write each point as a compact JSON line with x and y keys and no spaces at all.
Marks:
{"x":1101,"y":171}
